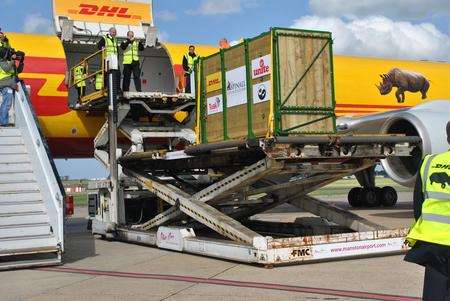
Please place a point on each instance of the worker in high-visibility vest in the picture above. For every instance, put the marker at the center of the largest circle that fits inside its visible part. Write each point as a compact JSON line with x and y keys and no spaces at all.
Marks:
{"x":430,"y":234}
{"x":131,"y":48}
{"x":110,"y":45}
{"x":8,"y":83}
{"x":79,"y":75}
{"x":98,"y":82}
{"x":189,"y":61}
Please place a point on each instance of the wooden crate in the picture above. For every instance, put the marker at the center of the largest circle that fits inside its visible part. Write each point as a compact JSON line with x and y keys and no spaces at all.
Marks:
{"x":279,"y":83}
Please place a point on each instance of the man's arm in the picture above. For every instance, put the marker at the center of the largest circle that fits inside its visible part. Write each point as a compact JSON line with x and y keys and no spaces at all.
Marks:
{"x":101,"y":44}
{"x":418,"y":196}
{"x":185,"y":64}
{"x":20,"y":67}
{"x":125,"y":44}
{"x":141,"y":46}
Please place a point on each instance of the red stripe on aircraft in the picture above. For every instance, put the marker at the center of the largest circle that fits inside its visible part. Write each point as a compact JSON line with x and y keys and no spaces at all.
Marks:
{"x":348,"y":105}
{"x":46,"y":105}
{"x":45,"y":65}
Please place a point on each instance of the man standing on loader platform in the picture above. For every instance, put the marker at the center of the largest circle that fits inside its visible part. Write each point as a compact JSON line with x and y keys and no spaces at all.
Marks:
{"x":189,"y":61}
{"x":430,"y":234}
{"x":79,"y":75}
{"x":109,"y":43}
{"x":131,"y":48}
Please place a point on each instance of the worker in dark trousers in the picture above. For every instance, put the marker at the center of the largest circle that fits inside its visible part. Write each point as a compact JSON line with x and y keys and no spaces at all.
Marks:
{"x":189,"y":61}
{"x":131,"y":48}
{"x":430,"y":234}
{"x":79,"y":75}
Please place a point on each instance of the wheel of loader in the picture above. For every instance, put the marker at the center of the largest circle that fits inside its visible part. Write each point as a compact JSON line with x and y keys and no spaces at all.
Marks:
{"x":388,"y":196}
{"x":370,"y":197}
{"x":354,"y":197}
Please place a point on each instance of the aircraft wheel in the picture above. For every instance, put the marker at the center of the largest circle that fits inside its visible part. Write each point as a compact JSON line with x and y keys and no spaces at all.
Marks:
{"x":354,"y":197}
{"x":388,"y":196}
{"x":370,"y":197}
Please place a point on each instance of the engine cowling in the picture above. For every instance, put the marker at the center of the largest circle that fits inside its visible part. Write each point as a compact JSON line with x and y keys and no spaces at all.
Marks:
{"x":427,"y":121}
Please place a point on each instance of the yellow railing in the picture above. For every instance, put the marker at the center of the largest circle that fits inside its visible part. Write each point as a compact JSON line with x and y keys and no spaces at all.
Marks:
{"x":90,"y":77}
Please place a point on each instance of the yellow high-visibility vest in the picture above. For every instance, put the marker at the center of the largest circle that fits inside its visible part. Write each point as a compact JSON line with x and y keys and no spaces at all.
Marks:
{"x":110,"y":45}
{"x":98,"y":82}
{"x":78,"y":75}
{"x":434,"y":224}
{"x":5,"y":74}
{"x":131,"y":54}
{"x":191,"y":61}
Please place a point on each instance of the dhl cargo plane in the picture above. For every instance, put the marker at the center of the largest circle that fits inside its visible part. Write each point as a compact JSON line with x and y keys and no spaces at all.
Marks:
{"x":359,"y":104}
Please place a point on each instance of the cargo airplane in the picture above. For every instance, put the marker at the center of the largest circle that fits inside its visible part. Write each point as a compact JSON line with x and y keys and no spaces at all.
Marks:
{"x":359,"y":105}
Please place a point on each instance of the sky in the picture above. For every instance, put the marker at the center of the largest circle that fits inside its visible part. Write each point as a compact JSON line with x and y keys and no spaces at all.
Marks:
{"x":408,"y":29}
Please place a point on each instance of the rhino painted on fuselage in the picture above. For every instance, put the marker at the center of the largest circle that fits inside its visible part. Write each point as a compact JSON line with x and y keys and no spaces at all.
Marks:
{"x":404,"y":81}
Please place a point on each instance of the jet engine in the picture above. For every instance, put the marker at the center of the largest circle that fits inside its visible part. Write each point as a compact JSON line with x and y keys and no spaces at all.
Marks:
{"x":427,"y":121}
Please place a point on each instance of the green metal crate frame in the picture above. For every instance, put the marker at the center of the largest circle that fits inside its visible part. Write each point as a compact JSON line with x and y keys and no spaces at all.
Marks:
{"x":280,"y":108}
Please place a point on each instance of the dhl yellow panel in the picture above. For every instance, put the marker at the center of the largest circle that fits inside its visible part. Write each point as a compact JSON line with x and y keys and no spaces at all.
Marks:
{"x":104,"y":11}
{"x":37,"y":45}
{"x":355,"y":79}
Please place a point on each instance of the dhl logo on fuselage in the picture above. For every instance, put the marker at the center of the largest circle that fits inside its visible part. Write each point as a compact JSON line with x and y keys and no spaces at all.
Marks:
{"x":48,"y":93}
{"x":106,"y":11}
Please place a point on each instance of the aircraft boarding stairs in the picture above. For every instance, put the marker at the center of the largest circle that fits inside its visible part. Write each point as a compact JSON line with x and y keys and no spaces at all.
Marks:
{"x":31,"y":197}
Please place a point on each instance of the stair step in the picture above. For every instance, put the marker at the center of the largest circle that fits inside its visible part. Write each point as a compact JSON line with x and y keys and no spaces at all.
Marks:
{"x":16,"y":176}
{"x":10,"y":132}
{"x":13,"y":149}
{"x":18,"y":187}
{"x":6,"y":168}
{"x":31,"y":244}
{"x":20,"y":197}
{"x":16,"y":209}
{"x":25,"y":231}
{"x":10,"y":141}
{"x":23,"y":219}
{"x":13,"y":158}
{"x":19,"y":180}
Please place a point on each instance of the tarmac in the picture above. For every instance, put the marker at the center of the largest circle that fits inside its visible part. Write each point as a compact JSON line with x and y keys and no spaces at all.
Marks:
{"x":96,"y":269}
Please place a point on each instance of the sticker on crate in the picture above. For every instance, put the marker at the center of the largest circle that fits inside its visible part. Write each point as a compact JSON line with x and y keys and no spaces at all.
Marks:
{"x":261,"y":92}
{"x":236,"y":87}
{"x":261,"y":66}
{"x":214,"y":104}
{"x":213,"y":82}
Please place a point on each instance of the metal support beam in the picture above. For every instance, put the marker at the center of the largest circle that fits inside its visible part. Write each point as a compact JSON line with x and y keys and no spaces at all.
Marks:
{"x":335,"y":214}
{"x":199,"y":211}
{"x":225,"y":186}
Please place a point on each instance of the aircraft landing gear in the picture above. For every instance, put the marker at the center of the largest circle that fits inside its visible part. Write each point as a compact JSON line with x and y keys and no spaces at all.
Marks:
{"x":369,"y":195}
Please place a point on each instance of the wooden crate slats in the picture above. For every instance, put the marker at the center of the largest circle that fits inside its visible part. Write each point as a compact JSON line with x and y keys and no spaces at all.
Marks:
{"x":292,"y":66}
{"x":213,"y":99}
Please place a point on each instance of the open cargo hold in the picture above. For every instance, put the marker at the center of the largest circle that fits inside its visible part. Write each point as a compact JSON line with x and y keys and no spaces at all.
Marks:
{"x":279,"y":83}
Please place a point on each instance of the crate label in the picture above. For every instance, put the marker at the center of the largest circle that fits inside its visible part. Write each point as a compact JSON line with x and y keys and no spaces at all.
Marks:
{"x":261,"y":92}
{"x":213,"y":82}
{"x":261,"y":66}
{"x":236,"y":87}
{"x":214,"y":104}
